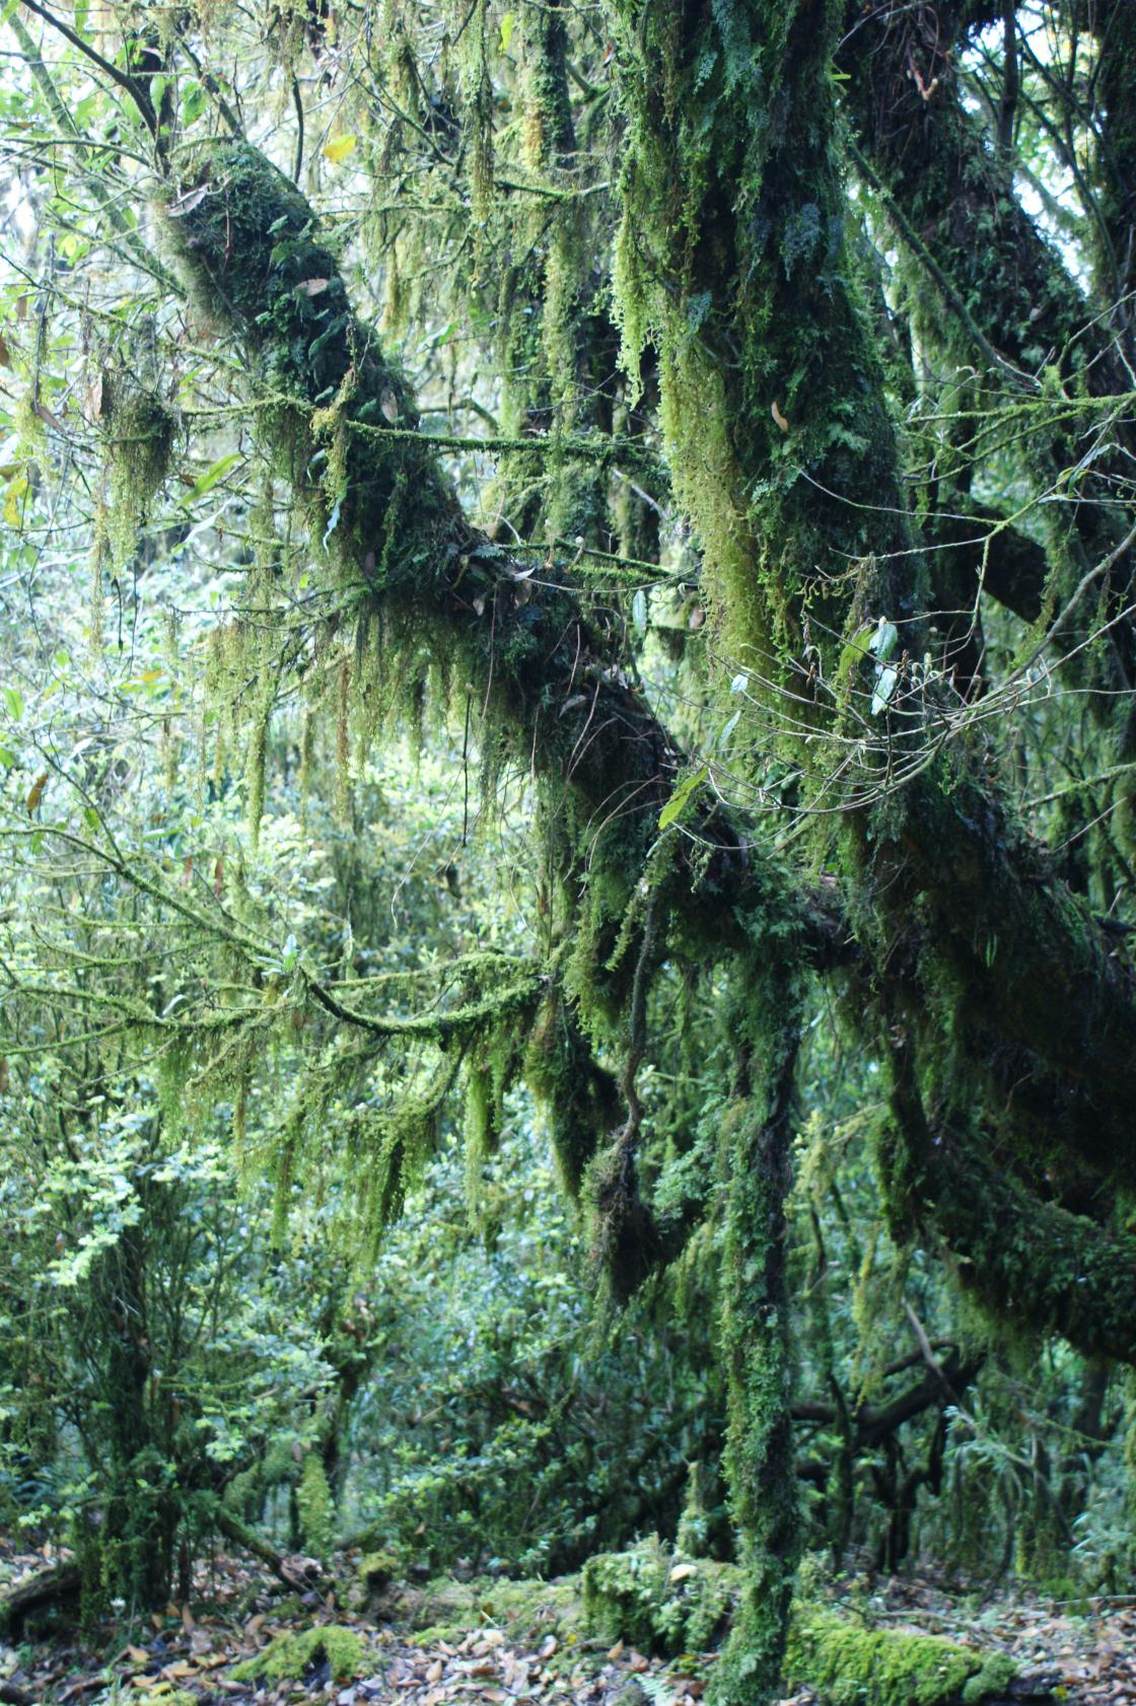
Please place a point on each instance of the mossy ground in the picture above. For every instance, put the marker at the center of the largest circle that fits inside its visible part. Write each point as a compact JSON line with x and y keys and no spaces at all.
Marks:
{"x":293,"y":1655}
{"x":446,"y":1610}
{"x":568,"y":1643}
{"x":665,"y":1602}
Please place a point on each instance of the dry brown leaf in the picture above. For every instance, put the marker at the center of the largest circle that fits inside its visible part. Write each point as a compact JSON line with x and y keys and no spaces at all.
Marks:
{"x":187,"y":202}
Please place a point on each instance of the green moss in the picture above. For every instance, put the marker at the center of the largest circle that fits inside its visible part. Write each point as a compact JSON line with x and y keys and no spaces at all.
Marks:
{"x":658,"y":1599}
{"x":377,"y":1570}
{"x":661,"y":1601}
{"x":847,"y":1665}
{"x":140,"y":440}
{"x":446,"y":1610}
{"x":290,"y":1657}
{"x":316,"y":1506}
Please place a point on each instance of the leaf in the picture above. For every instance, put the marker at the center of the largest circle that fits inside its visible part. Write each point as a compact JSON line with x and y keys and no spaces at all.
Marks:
{"x":94,"y":408}
{"x":14,"y":500}
{"x":14,"y":700}
{"x":678,"y":801}
{"x":35,"y":792}
{"x":187,"y":202}
{"x":508,"y":25}
{"x":312,"y":286}
{"x":339,"y":148}
{"x":211,"y":476}
{"x":885,"y":687}
{"x":388,"y":403}
{"x":779,"y":418}
{"x":639,"y":611}
{"x":43,"y":413}
{"x":739,"y":683}
{"x":728,"y":728}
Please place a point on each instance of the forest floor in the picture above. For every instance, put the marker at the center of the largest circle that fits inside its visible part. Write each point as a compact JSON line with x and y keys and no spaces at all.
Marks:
{"x":495,"y":1642}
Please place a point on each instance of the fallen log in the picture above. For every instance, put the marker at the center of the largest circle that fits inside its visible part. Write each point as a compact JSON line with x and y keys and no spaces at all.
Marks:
{"x":58,"y":1585}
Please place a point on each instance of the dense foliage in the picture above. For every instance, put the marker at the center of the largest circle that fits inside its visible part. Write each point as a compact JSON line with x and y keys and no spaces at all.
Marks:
{"x":566,"y":768}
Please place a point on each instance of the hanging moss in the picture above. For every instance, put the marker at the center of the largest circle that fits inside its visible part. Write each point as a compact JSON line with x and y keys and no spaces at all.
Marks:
{"x":1032,"y":1263}
{"x":140,"y":431}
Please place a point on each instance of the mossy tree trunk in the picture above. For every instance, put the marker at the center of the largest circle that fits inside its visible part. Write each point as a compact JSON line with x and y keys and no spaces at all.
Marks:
{"x":760,"y":1464}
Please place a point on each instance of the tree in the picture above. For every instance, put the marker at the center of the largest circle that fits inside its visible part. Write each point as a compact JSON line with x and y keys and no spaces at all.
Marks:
{"x":814,"y":326}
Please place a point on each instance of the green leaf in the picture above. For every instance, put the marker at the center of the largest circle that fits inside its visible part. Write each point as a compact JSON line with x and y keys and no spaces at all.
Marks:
{"x":679,"y":800}
{"x":728,"y":728}
{"x":211,"y":476}
{"x":508,"y":25}
{"x":339,"y":148}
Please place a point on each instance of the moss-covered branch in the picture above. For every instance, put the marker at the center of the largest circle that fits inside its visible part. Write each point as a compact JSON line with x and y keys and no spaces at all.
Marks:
{"x":379,"y":502}
{"x":1033,"y":1264}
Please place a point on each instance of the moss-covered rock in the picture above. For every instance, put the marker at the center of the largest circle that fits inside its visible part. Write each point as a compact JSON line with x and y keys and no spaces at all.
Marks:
{"x":849,"y":1665}
{"x":292,"y":1656}
{"x":377,"y":1570}
{"x":661,"y":1601}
